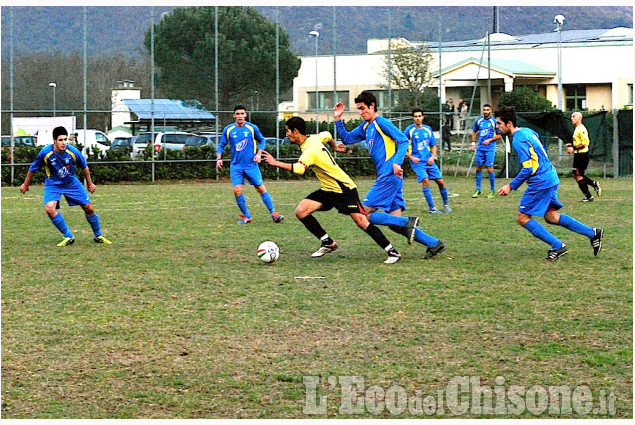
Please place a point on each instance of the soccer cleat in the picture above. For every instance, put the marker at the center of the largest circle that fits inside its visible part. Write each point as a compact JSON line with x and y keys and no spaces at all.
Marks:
{"x":411,"y":229}
{"x":102,"y":239}
{"x":393,"y":256}
{"x":432,"y":251}
{"x":476,"y":193}
{"x":447,"y":209}
{"x":554,"y":254}
{"x":434,"y":211}
{"x":66,"y":241}
{"x":244,"y":220}
{"x":598,"y":188}
{"x":587,"y":199}
{"x":277,"y":218}
{"x":324,"y":249}
{"x":596,"y":240}
{"x":491,"y":194}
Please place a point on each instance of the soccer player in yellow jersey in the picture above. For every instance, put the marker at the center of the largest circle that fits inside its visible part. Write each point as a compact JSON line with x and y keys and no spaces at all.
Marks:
{"x":580,"y":150}
{"x":337,"y":189}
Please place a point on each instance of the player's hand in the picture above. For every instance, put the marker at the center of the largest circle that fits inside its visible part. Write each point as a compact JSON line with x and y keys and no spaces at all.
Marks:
{"x":569,"y":149}
{"x":340,"y":147}
{"x":92,"y":187}
{"x":24,"y":188}
{"x":257,"y":159}
{"x":398,"y":170}
{"x":269,"y":159}
{"x":338,"y":111}
{"x":415,"y":160}
{"x":473,"y":148}
{"x":486,"y":142}
{"x":505,"y":190}
{"x":430,"y":161}
{"x":219,"y":163}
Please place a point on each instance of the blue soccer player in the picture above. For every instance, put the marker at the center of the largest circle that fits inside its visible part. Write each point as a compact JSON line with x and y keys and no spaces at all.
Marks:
{"x":541,"y":196}
{"x":485,"y":128}
{"x":60,"y":162}
{"x":246,"y":155}
{"x":422,"y":152}
{"x":387,"y":146}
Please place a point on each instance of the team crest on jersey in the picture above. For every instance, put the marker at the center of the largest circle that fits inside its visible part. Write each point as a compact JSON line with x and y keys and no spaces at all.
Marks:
{"x":242,"y":144}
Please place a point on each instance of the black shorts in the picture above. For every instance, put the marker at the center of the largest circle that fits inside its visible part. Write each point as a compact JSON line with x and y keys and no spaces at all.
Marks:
{"x":580,"y":162}
{"x":345,"y":203}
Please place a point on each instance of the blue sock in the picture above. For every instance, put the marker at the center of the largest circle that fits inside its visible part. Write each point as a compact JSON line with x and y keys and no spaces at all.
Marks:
{"x":386,"y":219}
{"x":428,"y":196}
{"x":93,"y":220}
{"x":492,"y":180}
{"x":266,"y":199}
{"x":242,"y":204}
{"x":575,"y":226}
{"x":538,"y":230}
{"x":444,"y":195}
{"x":424,"y":238}
{"x":478,"y":177}
{"x":58,"y":221}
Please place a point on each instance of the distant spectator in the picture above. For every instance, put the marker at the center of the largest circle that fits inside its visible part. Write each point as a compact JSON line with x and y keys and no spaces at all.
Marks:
{"x":463,"y":115}
{"x":450,"y":110}
{"x":446,"y":133}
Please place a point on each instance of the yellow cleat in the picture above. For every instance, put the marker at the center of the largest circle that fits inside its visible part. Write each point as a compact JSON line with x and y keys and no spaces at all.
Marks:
{"x":102,"y":239}
{"x":67,"y":241}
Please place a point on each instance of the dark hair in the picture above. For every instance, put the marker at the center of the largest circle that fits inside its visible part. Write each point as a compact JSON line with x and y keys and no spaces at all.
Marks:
{"x":237,"y":107}
{"x":296,"y":123}
{"x":415,"y":110}
{"x":59,"y":131}
{"x":367,"y":98}
{"x":506,"y":114}
{"x":487,"y":105}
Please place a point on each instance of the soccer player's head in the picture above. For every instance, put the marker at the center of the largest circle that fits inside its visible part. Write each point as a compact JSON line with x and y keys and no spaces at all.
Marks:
{"x":296,"y":126}
{"x":366,"y":105}
{"x":240,"y":114}
{"x":487,"y":111}
{"x":417,"y":115}
{"x":60,"y":138}
{"x":505,"y":119}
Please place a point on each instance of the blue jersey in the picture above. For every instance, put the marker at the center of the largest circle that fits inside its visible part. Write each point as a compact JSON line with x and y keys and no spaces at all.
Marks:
{"x":386,"y":144}
{"x":242,"y":141}
{"x":537,"y":169}
{"x":486,"y":129}
{"x":421,"y":139}
{"x":60,"y":168}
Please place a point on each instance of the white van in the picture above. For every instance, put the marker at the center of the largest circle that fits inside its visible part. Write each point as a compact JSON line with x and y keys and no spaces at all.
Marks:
{"x":94,"y":138}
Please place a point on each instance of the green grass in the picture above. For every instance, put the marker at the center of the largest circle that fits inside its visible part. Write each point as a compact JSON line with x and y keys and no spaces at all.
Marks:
{"x":179,"y":319}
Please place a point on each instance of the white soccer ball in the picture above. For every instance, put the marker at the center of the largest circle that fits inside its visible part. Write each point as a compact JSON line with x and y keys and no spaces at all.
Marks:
{"x":268,"y":252}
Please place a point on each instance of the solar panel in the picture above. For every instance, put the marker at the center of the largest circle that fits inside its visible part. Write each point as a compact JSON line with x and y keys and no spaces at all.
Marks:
{"x":167,"y":109}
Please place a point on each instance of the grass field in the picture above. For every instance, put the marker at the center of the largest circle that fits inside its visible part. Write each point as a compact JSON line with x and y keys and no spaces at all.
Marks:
{"x":179,"y":319}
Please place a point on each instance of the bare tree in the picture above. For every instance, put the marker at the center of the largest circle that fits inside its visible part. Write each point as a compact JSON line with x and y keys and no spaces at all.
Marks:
{"x":410,"y":72}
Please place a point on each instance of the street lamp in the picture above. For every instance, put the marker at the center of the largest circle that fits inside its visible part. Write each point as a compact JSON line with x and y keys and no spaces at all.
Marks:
{"x":559,"y":21}
{"x":317,"y":116}
{"x":54,"y":85}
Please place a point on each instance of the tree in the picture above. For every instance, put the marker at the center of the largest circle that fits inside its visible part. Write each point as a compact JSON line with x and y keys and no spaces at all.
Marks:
{"x":184,"y":52}
{"x":410,"y":73}
{"x":525,"y":99}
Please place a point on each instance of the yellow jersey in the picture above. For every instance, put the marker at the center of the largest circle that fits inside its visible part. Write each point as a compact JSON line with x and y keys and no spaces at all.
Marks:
{"x":581,"y":137}
{"x":314,"y":154}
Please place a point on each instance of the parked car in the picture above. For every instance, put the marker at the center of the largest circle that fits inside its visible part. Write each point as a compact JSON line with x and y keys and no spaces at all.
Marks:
{"x":124,"y":143}
{"x":201,"y":140}
{"x":140,"y":143}
{"x":18,"y":141}
{"x":94,"y":139}
{"x":270,"y":142}
{"x":174,"y":140}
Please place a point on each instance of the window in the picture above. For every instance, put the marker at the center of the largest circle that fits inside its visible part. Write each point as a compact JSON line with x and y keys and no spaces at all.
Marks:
{"x":630,"y":94}
{"x":325,"y":99}
{"x":575,"y":97}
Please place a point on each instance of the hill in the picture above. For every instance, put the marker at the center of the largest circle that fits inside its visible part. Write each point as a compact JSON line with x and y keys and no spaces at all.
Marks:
{"x":120,"y":30}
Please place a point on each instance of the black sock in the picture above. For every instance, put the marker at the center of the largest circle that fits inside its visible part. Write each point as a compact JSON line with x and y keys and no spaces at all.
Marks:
{"x":589,"y":181}
{"x":377,"y":235}
{"x":584,"y":188}
{"x":400,"y":230}
{"x":314,"y":227}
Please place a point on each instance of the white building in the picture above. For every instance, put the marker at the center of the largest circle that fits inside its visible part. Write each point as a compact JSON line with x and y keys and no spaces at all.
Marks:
{"x":597,"y":70}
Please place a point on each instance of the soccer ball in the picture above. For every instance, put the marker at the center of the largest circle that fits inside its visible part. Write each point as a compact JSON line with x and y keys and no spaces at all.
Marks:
{"x":268,"y":252}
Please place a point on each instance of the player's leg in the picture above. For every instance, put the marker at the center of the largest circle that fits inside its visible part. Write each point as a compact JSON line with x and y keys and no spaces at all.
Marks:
{"x":52,"y":198}
{"x":595,"y":234}
{"x":254,"y":176}
{"x":538,"y":202}
{"x":237,"y":179}
{"x":491,"y":155}
{"x":383,"y":195}
{"x":77,"y":195}
{"x":478,"y":176}
{"x":377,"y":235}
{"x":580,"y":163}
{"x":434,"y":173}
{"x":316,"y":201}
{"x":425,"y":188}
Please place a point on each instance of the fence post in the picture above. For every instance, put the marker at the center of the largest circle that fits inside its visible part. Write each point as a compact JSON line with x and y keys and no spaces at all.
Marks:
{"x":616,"y":146}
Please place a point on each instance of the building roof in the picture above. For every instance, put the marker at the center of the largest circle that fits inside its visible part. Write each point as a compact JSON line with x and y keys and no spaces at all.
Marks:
{"x":168,"y":109}
{"x":511,"y":67}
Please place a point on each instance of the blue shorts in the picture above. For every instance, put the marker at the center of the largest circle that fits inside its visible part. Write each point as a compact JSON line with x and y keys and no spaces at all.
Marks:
{"x":484,"y":157}
{"x":423,"y":171}
{"x":74,"y":193}
{"x":237,"y":173}
{"x":538,"y":201}
{"x":386,"y":194}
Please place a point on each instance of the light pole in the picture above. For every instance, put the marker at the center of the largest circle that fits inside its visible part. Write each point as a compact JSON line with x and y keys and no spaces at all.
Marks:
{"x":54,"y":85}
{"x":317,"y":116}
{"x":559,"y":20}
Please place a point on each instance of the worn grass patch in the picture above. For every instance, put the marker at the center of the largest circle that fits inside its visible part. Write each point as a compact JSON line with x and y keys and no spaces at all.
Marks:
{"x":179,"y":319}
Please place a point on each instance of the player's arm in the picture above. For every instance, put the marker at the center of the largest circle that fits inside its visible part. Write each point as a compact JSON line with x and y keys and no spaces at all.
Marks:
{"x":260,"y":147}
{"x":474,"y":134}
{"x":402,"y":141}
{"x":219,"y":150}
{"x":269,"y":159}
{"x":528,"y":166}
{"x":433,"y":151}
{"x":24,"y":187}
{"x":89,"y":181}
{"x":35,"y":166}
